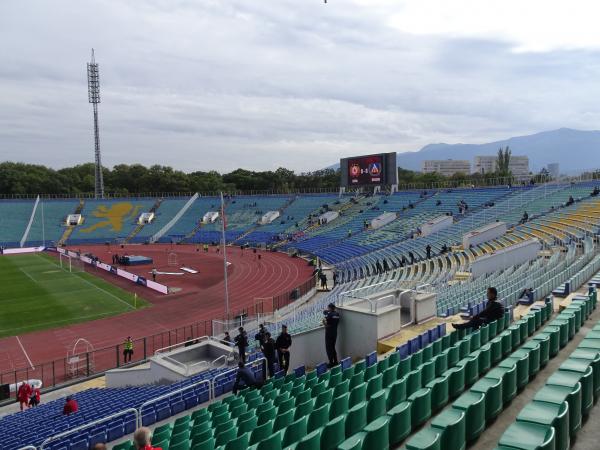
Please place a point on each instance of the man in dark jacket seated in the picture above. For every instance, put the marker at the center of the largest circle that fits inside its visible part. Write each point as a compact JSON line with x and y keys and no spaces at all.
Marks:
{"x":493,"y":311}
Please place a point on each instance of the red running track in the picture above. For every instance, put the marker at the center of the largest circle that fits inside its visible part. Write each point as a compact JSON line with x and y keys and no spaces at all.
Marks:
{"x":199,"y":298}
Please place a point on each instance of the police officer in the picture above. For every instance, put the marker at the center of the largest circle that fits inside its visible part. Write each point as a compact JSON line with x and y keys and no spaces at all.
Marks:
{"x":268,"y":349}
{"x":331,"y":322}
{"x":261,"y":335}
{"x":241,"y":341}
{"x":283,"y":344}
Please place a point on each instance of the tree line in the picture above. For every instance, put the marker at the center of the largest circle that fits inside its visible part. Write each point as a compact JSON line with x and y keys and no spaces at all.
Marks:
{"x":23,"y":179}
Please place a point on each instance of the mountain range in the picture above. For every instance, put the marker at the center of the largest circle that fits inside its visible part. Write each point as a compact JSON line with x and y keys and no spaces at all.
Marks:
{"x":573,"y":150}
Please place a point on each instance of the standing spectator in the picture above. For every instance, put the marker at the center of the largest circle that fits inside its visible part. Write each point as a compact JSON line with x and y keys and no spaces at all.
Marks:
{"x":142,"y":439}
{"x":378,"y":267}
{"x":412,"y":257}
{"x":23,"y":394}
{"x":154,"y":272}
{"x":241,"y":341}
{"x":70,"y":407}
{"x":335,"y":278}
{"x":331,"y":322}
{"x":428,"y":251}
{"x":35,"y":397}
{"x":261,"y":335}
{"x":283,"y":344}
{"x":268,"y":349}
{"x":244,"y":378}
{"x":227,"y":338}
{"x":323,"y":278}
{"x":127,"y":350}
{"x":386,"y":266}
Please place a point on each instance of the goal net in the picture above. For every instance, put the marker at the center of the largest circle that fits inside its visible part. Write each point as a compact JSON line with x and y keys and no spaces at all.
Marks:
{"x":71,"y":264}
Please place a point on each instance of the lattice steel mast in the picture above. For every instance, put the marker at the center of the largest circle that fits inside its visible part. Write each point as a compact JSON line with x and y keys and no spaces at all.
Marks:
{"x":94,"y":99}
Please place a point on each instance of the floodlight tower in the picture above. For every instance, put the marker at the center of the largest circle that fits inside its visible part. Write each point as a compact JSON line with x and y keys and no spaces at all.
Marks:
{"x":94,"y":99}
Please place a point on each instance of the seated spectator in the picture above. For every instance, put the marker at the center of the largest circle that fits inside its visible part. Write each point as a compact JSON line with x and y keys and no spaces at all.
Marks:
{"x":142,"y":439}
{"x":527,"y":294}
{"x":494,"y":310}
{"x":595,"y":192}
{"x":244,"y":378}
{"x":70,"y":407}
{"x":570,"y":201}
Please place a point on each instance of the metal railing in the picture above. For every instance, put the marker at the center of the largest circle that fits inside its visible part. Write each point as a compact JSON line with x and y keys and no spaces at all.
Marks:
{"x":179,"y":344}
{"x":170,"y":394}
{"x":88,"y":425}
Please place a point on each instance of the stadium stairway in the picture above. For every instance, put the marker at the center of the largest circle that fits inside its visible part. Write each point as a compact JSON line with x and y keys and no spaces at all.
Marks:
{"x":140,"y":226}
{"x":69,"y":228}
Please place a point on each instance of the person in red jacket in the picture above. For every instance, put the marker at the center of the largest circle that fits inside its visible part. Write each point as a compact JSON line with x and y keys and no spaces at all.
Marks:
{"x":34,"y":400}
{"x":70,"y":407}
{"x":142,"y":439}
{"x":23,"y":394}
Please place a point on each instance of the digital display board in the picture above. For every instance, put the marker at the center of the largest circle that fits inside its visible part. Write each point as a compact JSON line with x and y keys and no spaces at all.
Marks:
{"x":365,"y":170}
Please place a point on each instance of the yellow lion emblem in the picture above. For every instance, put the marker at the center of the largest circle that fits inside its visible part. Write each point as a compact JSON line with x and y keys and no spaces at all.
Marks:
{"x":115,"y":216}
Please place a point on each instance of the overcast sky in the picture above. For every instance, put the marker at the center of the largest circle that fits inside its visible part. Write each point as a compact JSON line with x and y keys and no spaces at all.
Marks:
{"x":259,"y":84}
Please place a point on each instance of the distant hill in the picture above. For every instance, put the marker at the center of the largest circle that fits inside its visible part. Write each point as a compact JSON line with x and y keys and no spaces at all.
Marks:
{"x":572,"y":149}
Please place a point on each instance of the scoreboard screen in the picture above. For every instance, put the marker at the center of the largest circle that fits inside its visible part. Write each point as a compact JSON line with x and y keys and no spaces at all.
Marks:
{"x":365,"y":170}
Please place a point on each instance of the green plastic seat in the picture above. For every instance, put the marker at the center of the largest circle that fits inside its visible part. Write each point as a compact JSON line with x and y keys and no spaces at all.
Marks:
{"x":254,"y":403}
{"x":522,"y":364}
{"x":506,"y":338}
{"x":421,"y":406}
{"x":318,"y":418}
{"x":428,"y":353}
{"x":451,"y":424}
{"x":553,"y":333}
{"x":534,"y":357}
{"x":162,"y":444}
{"x":356,"y":419}
{"x":354,"y":442}
{"x":376,"y":405}
{"x":285,"y":405}
{"x":508,"y":376}
{"x":471,"y":365}
{"x":225,"y":436}
{"x":324,"y":398}
{"x":382,"y":365}
{"x":400,"y":422}
{"x":334,"y":379}
{"x":273,"y":442}
{"x":416,"y":360}
{"x":303,"y":397}
{"x":318,"y":389}
{"x":549,"y":414}
{"x":237,"y":411}
{"x":456,"y":381}
{"x":333,"y":433}
{"x":339,"y":406}
{"x":247,"y":426}
{"x":356,"y":379}
{"x":376,"y":434}
{"x":404,"y":366}
{"x":261,"y":432}
{"x":304,"y":409}
{"x":473,"y":405}
{"x":475,"y":340}
{"x":393,"y":359}
{"x":529,"y":436}
{"x":312,"y":441}
{"x":375,"y":384}
{"x":563,"y":326}
{"x":413,"y":382}
{"x":358,"y":394}
{"x":427,"y":372}
{"x":202,"y":436}
{"x":200,"y":415}
{"x":396,"y":393}
{"x":341,"y":388}
{"x":127,"y":445}
{"x":463,"y":349}
{"x":558,"y":395}
{"x":283,"y":420}
{"x":267,"y":415}
{"x":426,"y":439}
{"x":453,"y":356}
{"x":544,"y":349}
{"x":208,"y":444}
{"x":247,"y":415}
{"x":294,"y":431}
{"x":594,"y":359}
{"x":571,"y":371}
{"x":484,"y":333}
{"x":441,"y":363}
{"x":496,"y":350}
{"x":492,"y":389}
{"x":389,"y":376}
{"x":179,"y":437}
{"x":571,"y":319}
{"x":239,"y":443}
{"x":161,"y":435}
{"x":439,"y":392}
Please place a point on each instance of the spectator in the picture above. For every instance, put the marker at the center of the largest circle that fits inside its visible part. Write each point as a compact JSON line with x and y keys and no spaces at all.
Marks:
{"x":70,"y":407}
{"x":595,"y":192}
{"x":241,"y":341}
{"x":244,"y":378}
{"x":525,"y":218}
{"x":142,"y":439}
{"x":154,"y":272}
{"x":227,"y":338}
{"x":34,"y":400}
{"x":268,"y":349}
{"x":428,"y":251}
{"x":378,"y":267}
{"x":412,"y":257}
{"x":527,"y":294}
{"x":283,"y":344}
{"x":331,"y":322}
{"x":99,"y":446}
{"x":261,"y":335}
{"x":23,"y":394}
{"x":323,"y":279}
{"x":127,"y":350}
{"x":386,"y":267}
{"x":570,"y":201}
{"x":493,"y":311}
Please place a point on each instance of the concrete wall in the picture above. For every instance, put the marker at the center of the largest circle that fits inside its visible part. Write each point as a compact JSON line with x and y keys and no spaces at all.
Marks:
{"x":382,"y":220}
{"x":516,"y":254}
{"x":437,"y":224}
{"x":308,"y":348}
{"x":484,"y":234}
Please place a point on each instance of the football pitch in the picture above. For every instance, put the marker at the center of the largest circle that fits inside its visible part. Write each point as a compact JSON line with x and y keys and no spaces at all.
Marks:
{"x":36,"y":293}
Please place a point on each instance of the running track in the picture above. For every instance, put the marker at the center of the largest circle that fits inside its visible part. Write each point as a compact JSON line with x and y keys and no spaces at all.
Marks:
{"x":201,"y":298}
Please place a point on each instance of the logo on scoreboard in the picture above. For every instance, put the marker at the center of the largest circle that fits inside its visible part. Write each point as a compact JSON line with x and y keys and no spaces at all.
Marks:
{"x":375,"y":169}
{"x":354,"y":170}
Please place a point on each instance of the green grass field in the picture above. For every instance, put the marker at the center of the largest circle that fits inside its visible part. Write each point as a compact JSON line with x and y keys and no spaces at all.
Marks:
{"x":38,"y":294}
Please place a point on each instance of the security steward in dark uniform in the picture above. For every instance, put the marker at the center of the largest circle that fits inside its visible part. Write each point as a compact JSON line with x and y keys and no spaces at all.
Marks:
{"x":331,"y":322}
{"x":283,"y":344}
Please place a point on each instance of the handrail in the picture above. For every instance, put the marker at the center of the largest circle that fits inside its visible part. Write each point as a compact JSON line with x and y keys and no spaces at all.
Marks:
{"x":169,"y":394}
{"x":176,"y":363}
{"x":29,"y":447}
{"x":89,"y":424}
{"x":229,"y":372}
{"x":160,"y":350}
{"x":223,"y":357}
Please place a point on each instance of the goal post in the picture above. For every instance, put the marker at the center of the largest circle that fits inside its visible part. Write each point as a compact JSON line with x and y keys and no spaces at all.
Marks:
{"x":71,"y":264}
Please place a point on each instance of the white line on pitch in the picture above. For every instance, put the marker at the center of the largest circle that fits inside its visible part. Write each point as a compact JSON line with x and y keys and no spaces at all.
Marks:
{"x":24,"y":352}
{"x":28,"y":276}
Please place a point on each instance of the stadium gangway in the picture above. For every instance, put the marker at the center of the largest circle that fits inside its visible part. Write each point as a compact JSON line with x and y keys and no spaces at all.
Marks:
{"x":168,"y":395}
{"x":253,"y":363}
{"x":88,"y":425}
